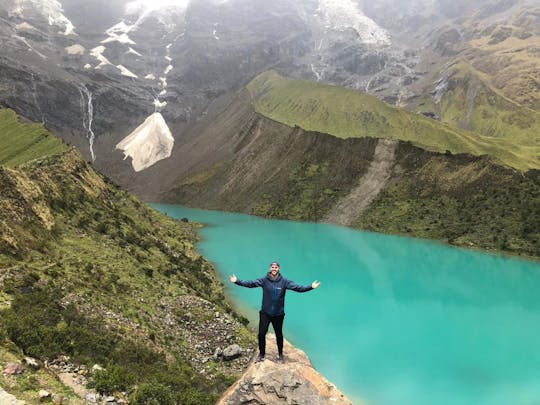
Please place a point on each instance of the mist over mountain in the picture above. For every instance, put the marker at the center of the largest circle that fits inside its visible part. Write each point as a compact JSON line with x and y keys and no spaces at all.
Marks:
{"x":95,"y":71}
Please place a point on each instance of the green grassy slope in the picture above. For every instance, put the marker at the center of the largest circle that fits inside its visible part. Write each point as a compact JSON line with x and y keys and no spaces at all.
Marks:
{"x":21,"y":142}
{"x":472,"y":103}
{"x":88,"y":270}
{"x":346,"y":113}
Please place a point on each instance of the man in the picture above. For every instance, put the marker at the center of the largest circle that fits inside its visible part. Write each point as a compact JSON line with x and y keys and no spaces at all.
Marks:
{"x":274,"y":286}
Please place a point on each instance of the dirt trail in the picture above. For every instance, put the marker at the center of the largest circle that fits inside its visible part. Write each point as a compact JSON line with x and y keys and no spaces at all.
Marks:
{"x":351,"y":206}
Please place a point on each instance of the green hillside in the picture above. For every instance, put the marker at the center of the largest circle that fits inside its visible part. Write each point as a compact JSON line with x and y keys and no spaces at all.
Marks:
{"x":471,"y":102}
{"x":347,"y":113}
{"x":89,"y":271}
{"x":21,"y":142}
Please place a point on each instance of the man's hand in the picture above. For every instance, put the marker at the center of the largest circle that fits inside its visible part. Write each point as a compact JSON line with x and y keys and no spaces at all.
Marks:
{"x":233,"y":278}
{"x":315,"y":284}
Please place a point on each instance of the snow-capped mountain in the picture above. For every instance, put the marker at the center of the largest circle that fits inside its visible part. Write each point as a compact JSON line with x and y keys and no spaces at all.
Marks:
{"x":125,"y":60}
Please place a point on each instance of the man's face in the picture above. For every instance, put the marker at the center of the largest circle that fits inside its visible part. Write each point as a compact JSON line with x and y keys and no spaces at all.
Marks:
{"x":274,"y":269}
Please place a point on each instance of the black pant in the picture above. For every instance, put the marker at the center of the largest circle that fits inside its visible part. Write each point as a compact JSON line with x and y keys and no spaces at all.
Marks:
{"x":277,"y":324}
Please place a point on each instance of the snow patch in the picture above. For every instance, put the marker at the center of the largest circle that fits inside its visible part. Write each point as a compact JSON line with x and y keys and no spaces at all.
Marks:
{"x":122,"y":38}
{"x":159,"y":104}
{"x":62,"y":21}
{"x":168,"y":69}
{"x":163,"y":81}
{"x":25,"y":26}
{"x":51,"y":10}
{"x":87,"y":66}
{"x":168,"y":58}
{"x":133,"y":51}
{"x":162,"y":92}
{"x":149,"y":143}
{"x":97,"y":52}
{"x":76,"y":49}
{"x":124,"y":71}
{"x":341,"y":15}
{"x":150,"y":76}
{"x":120,"y":28}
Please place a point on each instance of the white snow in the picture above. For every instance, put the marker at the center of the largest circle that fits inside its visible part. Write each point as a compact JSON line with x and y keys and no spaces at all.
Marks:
{"x":50,"y":9}
{"x":120,"y":28}
{"x":133,"y":51}
{"x":149,"y":143}
{"x":76,"y":49}
{"x":87,"y":66}
{"x":150,"y":76}
{"x":124,"y":71}
{"x":25,"y":26}
{"x":162,"y":92}
{"x":97,"y":53}
{"x":214,"y":34}
{"x":159,"y":104}
{"x":62,"y":21}
{"x":168,"y":58}
{"x":163,"y":81}
{"x":341,"y":15}
{"x":122,"y":38}
{"x":168,"y":69}
{"x":147,"y":6}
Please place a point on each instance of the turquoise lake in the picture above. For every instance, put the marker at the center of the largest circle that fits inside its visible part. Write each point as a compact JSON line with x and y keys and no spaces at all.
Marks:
{"x":396,"y":321}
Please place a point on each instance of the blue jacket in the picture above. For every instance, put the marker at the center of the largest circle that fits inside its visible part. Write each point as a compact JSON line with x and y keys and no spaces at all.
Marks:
{"x":273,"y":300}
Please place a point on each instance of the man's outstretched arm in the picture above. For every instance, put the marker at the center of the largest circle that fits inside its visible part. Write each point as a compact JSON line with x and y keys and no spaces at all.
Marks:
{"x":291,"y":285}
{"x":246,"y":283}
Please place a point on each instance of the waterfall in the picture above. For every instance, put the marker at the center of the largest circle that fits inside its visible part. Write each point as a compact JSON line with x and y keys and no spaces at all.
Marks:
{"x":87,"y":111}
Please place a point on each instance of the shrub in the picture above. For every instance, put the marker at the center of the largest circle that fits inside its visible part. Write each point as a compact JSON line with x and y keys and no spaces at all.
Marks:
{"x":113,"y":379}
{"x":152,"y":394}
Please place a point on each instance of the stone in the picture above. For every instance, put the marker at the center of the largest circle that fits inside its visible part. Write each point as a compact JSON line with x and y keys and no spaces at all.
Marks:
{"x":32,"y":363}
{"x":96,"y":367}
{"x":218,"y":353}
{"x":13,"y":368}
{"x":8,"y":399}
{"x":232,"y":352}
{"x":92,"y":397}
{"x":43,"y":395}
{"x":110,"y":399}
{"x":295,"y":382}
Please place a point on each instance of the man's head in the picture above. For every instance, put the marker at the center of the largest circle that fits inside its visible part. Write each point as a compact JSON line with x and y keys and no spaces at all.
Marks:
{"x":274,"y":269}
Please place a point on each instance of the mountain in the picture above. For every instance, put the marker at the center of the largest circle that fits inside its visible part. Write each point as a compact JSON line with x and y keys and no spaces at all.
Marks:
{"x":95,"y":72}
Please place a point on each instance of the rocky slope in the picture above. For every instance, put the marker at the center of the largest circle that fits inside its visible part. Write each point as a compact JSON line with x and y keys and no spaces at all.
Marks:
{"x":88,"y":271}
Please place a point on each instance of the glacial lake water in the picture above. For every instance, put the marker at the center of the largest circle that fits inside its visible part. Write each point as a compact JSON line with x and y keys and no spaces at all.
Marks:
{"x":396,"y":321}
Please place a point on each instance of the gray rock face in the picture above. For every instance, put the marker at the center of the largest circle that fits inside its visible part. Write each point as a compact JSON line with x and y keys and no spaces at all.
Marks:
{"x":231,"y":352}
{"x":8,"y":399}
{"x":295,"y":382}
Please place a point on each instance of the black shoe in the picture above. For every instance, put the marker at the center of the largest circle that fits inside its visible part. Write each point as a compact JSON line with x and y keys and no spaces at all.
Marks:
{"x":259,"y":359}
{"x":280,"y":359}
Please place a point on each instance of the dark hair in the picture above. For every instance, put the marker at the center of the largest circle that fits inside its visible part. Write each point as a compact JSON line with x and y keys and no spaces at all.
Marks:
{"x":276,"y":263}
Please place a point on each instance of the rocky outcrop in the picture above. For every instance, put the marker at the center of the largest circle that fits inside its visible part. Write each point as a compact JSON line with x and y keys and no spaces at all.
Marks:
{"x":8,"y":399}
{"x":293,"y":382}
